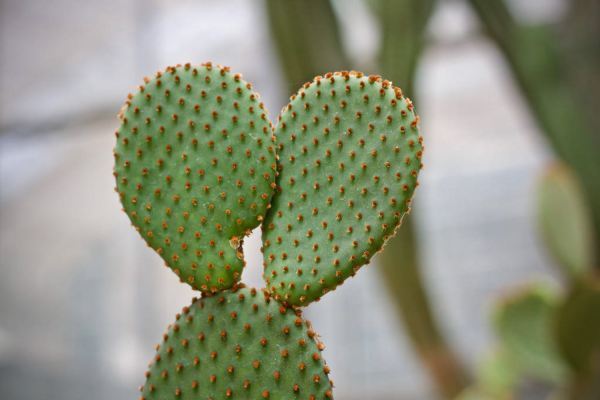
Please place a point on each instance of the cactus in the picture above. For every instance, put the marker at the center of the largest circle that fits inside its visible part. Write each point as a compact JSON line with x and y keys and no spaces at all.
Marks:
{"x":498,"y":376}
{"x":349,"y":155}
{"x":565,"y":221}
{"x":524,"y":323}
{"x":526,"y":352}
{"x":238,"y":344}
{"x":196,"y":169}
{"x":578,"y":329}
{"x":195,"y":164}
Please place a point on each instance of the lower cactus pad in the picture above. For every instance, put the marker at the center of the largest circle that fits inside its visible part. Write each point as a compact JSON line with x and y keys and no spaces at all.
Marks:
{"x":238,"y":344}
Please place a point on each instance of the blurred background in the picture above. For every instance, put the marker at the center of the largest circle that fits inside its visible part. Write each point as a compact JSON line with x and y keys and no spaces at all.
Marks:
{"x":490,"y":291}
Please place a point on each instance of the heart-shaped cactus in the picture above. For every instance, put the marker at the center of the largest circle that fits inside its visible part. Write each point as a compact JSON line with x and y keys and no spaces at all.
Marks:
{"x":238,"y":344}
{"x":349,"y":153}
{"x":195,"y":169}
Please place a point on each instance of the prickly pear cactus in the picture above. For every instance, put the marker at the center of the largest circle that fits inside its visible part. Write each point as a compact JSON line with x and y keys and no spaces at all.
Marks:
{"x":524,"y":323}
{"x":238,"y":344}
{"x":195,"y":169}
{"x":349,"y":155}
{"x":565,"y":221}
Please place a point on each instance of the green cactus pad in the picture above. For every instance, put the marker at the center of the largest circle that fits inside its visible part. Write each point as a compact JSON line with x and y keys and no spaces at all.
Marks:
{"x":238,"y":344}
{"x":524,"y":322}
{"x":577,"y":328}
{"x":349,"y":153}
{"x":195,"y":169}
{"x":566,"y":221}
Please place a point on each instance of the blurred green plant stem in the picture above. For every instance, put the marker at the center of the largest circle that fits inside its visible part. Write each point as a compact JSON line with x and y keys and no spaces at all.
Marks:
{"x":307,"y":38}
{"x":557,"y":68}
{"x":306,"y":35}
{"x":403,"y":24}
{"x":405,"y":284}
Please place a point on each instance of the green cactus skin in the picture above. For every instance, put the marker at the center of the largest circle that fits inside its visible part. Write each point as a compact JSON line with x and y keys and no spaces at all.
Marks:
{"x":349,"y":153}
{"x":195,"y":169}
{"x":238,"y":344}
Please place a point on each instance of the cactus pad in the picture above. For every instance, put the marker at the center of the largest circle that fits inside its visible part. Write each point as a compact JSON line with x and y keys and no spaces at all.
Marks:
{"x":349,"y":154}
{"x":195,"y":169}
{"x":566,"y":221}
{"x":524,"y":322}
{"x":238,"y":344}
{"x":577,"y":327}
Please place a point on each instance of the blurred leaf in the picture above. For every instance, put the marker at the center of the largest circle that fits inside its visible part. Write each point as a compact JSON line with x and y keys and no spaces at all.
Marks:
{"x":498,"y":375}
{"x":524,"y":325}
{"x":565,"y":220}
{"x":578,"y":327}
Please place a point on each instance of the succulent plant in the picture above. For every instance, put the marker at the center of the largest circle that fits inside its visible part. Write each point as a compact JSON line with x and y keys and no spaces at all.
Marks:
{"x":566,"y":221}
{"x":578,"y":328}
{"x":524,"y":324}
{"x":526,"y":352}
{"x":545,"y":337}
{"x":197,"y":170}
{"x":349,"y":155}
{"x":238,"y":344}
